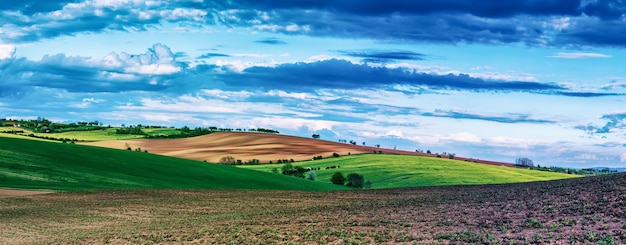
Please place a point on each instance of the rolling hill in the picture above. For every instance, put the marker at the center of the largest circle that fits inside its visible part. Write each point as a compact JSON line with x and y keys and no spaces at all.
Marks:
{"x":247,"y":146}
{"x":392,"y":171}
{"x":31,"y":164}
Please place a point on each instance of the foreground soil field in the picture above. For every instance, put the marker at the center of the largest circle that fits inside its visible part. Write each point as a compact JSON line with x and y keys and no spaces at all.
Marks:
{"x":590,"y":210}
{"x":248,"y":146}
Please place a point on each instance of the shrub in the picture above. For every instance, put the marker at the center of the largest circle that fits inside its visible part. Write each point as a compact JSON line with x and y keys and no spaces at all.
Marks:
{"x":228,"y":160}
{"x":289,"y":169}
{"x":335,"y":154}
{"x":368,"y":185}
{"x":312,"y":175}
{"x":355,"y":180}
{"x":338,"y":178}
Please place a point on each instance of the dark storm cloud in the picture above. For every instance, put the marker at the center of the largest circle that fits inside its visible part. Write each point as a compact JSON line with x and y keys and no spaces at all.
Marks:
{"x":596,"y":32}
{"x":343,"y":74}
{"x":271,"y":41}
{"x":530,"y":22}
{"x":485,"y":8}
{"x":533,"y":23}
{"x":381,"y":56}
{"x":509,"y":118}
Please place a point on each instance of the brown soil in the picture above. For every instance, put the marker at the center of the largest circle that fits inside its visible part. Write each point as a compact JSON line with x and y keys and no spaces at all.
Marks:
{"x":4,"y":193}
{"x":248,"y":146}
{"x":589,"y":210}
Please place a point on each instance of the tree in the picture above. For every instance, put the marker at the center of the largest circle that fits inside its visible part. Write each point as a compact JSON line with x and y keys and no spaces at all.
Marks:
{"x":524,"y":162}
{"x":338,"y":178}
{"x":228,"y":160}
{"x":315,"y":136}
{"x":355,"y":180}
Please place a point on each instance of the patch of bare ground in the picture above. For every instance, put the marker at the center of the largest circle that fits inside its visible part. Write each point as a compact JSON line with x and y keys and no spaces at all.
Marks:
{"x":248,"y":146}
{"x":4,"y":193}
{"x":590,"y":210}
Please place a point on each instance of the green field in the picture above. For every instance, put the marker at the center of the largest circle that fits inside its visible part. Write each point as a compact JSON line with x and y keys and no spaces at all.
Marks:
{"x":31,"y":164}
{"x":95,"y":135}
{"x":390,"y":171}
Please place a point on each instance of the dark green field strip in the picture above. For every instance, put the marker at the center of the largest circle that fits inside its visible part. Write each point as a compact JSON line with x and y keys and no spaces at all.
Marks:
{"x":44,"y":165}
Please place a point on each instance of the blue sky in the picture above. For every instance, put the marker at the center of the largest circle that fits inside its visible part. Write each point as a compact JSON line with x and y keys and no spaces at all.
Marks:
{"x":493,"y":80}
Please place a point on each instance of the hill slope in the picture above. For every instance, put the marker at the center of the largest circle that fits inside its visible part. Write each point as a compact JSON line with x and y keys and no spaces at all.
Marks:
{"x":248,"y":146}
{"x":243,"y":146}
{"x":390,"y":171}
{"x":44,"y":165}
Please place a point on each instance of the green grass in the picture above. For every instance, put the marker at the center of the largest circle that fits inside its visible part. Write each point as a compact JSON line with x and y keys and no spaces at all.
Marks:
{"x":95,"y":135}
{"x":390,"y":171}
{"x":31,"y":164}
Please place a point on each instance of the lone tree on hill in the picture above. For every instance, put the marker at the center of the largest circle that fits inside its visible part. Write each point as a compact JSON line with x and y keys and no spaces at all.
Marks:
{"x":315,"y":136}
{"x":524,"y":162}
{"x":338,"y":178}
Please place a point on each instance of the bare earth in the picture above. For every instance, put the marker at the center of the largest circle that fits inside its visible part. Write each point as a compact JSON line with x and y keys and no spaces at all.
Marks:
{"x":248,"y":146}
{"x":4,"y":193}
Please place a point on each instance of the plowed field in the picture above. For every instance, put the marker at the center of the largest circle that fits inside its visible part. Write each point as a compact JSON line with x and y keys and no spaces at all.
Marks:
{"x":248,"y":146}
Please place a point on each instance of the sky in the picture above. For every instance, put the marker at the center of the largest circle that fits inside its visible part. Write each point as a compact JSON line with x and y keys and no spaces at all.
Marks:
{"x":495,"y":80}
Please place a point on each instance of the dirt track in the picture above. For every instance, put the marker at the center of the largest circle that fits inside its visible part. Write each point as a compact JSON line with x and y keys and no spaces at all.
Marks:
{"x":248,"y":146}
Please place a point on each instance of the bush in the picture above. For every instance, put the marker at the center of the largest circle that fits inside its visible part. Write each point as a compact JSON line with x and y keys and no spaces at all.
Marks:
{"x":355,"y":180}
{"x":312,"y":175}
{"x":335,"y":154}
{"x":289,"y":169}
{"x":228,"y":160}
{"x":338,"y":178}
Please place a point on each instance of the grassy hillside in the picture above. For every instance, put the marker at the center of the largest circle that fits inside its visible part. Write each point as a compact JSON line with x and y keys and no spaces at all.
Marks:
{"x":389,"y":171}
{"x":44,"y":165}
{"x":95,"y":135}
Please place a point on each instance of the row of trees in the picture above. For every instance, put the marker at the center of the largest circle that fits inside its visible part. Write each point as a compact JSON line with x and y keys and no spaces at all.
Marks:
{"x":43,"y":125}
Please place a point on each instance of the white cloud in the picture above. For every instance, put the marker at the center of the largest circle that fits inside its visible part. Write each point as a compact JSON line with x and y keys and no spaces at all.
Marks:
{"x":586,"y":156}
{"x":321,"y":57}
{"x":6,"y":51}
{"x":87,"y":102}
{"x":465,"y":137}
{"x":487,"y":72}
{"x":578,"y":55}
{"x":396,"y":133}
{"x":216,"y":93}
{"x":622,"y":157}
{"x":283,"y":94}
{"x":295,"y":123}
